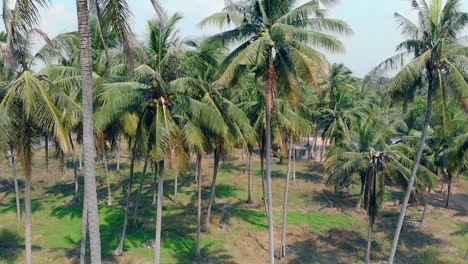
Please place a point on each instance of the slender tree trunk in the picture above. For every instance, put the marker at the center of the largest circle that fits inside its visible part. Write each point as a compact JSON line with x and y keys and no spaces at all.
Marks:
{"x":46,"y":151}
{"x":426,"y":203}
{"x":80,"y":161}
{"x":314,"y":143}
{"x":449,"y":188}
{"x":285,"y":203}
{"x":84,"y":225}
{"x":155,"y":183}
{"x":119,"y":250}
{"x":75,"y":175}
{"x":361,"y":195}
{"x":213,"y":190}
{"x":269,"y":93}
{"x":106,"y":168}
{"x":176,"y":184}
{"x":140,"y":188}
{"x":369,"y":242}
{"x":15,"y":181}
{"x":294,"y":166}
{"x":62,"y":162}
{"x":88,"y":136}
{"x":414,"y":170}
{"x":262,"y":171}
{"x":199,"y":211}
{"x":157,"y":251}
{"x":27,"y":203}
{"x":249,"y":174}
{"x":118,"y":153}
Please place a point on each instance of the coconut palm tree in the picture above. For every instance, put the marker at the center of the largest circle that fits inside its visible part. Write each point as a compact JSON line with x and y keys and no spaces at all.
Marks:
{"x":436,"y":54}
{"x":88,"y":136}
{"x":275,"y":39}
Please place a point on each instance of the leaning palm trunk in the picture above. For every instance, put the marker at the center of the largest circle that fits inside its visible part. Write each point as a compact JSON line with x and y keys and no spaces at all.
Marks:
{"x":414,"y":170}
{"x":119,"y":250}
{"x":269,"y":93}
{"x":262,"y":172}
{"x":15,"y":180}
{"x":285,"y":204}
{"x":84,"y":224}
{"x":199,"y":212}
{"x":88,"y":136}
{"x":109,"y":194}
{"x":213,"y":190}
{"x":157,"y":250}
{"x":138,"y":198}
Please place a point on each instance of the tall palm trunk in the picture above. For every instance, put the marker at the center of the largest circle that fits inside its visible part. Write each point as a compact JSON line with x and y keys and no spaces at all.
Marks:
{"x":84,"y":224}
{"x":155,"y":183}
{"x":118,"y":153}
{"x":262,"y":172}
{"x":176,"y":185}
{"x":75,"y":176}
{"x":88,"y":139}
{"x":106,"y":168}
{"x":269,"y":93}
{"x":294,"y":166}
{"x":28,"y":214}
{"x":285,"y":203}
{"x":199,"y":211}
{"x":414,"y":170}
{"x":119,"y":250}
{"x":213,"y":190}
{"x":157,"y":250}
{"x":137,"y":200}
{"x":426,"y":203}
{"x":15,"y":181}
{"x":449,"y":188}
{"x":46,"y":150}
{"x":249,"y":175}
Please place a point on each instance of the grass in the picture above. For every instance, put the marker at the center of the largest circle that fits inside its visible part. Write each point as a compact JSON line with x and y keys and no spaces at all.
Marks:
{"x":321,"y":222}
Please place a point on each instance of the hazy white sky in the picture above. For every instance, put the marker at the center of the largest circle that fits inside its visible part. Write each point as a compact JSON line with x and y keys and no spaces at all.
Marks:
{"x":375,"y":38}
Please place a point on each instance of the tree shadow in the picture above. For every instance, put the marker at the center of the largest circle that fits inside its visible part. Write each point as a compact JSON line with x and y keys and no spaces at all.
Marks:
{"x":64,"y":189}
{"x":36,"y":205}
{"x":72,"y":211}
{"x":10,"y":245}
{"x":329,"y":199}
{"x":412,"y":238}
{"x":257,"y":219}
{"x":7,"y":186}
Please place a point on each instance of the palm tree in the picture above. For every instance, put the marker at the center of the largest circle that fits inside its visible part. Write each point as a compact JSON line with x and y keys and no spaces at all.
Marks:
{"x":26,"y":100}
{"x":88,"y":136}
{"x":436,"y":55}
{"x":275,"y":38}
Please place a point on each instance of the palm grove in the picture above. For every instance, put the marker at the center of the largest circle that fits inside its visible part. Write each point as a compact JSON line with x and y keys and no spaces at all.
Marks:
{"x":263,"y":85}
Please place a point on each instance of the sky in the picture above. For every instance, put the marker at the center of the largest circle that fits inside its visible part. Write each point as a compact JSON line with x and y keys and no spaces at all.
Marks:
{"x":374,"y":39}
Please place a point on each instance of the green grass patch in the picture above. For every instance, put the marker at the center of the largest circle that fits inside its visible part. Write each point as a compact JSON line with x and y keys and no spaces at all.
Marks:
{"x":317,"y":221}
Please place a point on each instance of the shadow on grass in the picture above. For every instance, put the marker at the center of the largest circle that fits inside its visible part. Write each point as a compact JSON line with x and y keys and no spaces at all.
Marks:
{"x":339,"y":200}
{"x":10,"y":245}
{"x":36,"y":205}
{"x":7,"y":186}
